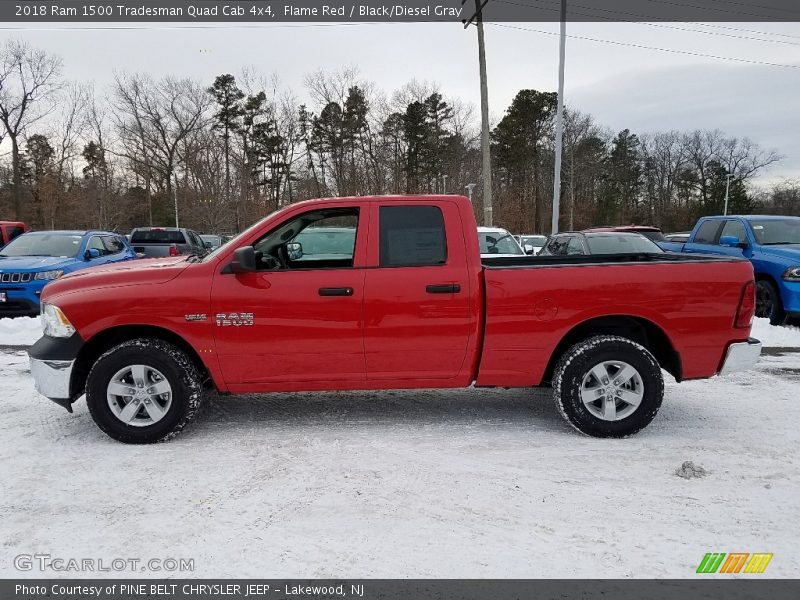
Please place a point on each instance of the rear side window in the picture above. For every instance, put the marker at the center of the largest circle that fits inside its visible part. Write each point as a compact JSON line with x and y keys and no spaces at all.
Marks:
{"x":412,"y":236}
{"x":575,"y":246}
{"x":13,"y":231}
{"x":157,"y":236}
{"x":707,"y":233}
{"x":113,"y":245}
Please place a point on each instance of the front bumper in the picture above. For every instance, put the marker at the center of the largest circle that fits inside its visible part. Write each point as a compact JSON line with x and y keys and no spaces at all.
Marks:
{"x":741,"y":356}
{"x":22,"y":299}
{"x":52,"y":365}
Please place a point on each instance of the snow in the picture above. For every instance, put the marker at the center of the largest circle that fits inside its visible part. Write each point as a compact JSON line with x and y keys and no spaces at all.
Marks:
{"x":775,"y":337}
{"x":22,"y":331}
{"x":466,"y":483}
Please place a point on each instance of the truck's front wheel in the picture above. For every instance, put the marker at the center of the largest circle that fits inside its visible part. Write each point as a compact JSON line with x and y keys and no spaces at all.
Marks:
{"x":143,"y":391}
{"x":608,"y":386}
{"x":768,"y":303}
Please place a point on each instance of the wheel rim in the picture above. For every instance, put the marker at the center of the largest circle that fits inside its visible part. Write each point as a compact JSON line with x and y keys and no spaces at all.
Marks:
{"x":612,"y":390}
{"x":139,"y":395}
{"x":764,"y":300}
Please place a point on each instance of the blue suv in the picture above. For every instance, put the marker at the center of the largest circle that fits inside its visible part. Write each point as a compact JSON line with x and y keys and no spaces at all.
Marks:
{"x":32,"y":260}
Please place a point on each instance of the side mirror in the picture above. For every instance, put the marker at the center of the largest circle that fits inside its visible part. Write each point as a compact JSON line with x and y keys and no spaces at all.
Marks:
{"x":294,"y":250}
{"x":208,"y":245}
{"x":731,"y":241}
{"x":92,"y":253}
{"x":529,"y":250}
{"x":244,"y":260}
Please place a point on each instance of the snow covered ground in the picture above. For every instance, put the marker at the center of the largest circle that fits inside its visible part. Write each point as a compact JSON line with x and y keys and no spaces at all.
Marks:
{"x":473,"y":483}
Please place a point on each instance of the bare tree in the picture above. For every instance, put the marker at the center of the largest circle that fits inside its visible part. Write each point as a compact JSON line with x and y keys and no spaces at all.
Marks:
{"x":27,"y":78}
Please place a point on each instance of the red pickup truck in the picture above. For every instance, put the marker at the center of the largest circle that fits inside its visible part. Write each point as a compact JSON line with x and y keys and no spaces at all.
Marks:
{"x":388,"y":292}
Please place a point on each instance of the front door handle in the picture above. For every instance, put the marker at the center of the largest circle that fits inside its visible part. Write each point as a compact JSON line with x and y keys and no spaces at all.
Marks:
{"x":443,"y":288}
{"x":336,"y":291}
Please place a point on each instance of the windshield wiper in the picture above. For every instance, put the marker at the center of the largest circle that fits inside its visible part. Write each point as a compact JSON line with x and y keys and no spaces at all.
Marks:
{"x":778,"y":243}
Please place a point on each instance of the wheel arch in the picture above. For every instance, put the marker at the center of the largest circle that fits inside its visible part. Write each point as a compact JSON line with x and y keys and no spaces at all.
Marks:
{"x":108,"y":338}
{"x":637,"y":329}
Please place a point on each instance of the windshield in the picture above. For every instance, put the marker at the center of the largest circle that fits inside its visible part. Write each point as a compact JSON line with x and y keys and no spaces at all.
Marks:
{"x":232,"y":242}
{"x":498,"y":242}
{"x":774,"y":232}
{"x":631,"y":243}
{"x":327,"y":240}
{"x":534,"y":240}
{"x":44,"y":244}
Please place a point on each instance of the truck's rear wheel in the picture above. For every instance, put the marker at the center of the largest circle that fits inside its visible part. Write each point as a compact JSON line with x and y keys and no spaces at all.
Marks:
{"x":608,"y":386}
{"x":143,"y":391}
{"x":768,"y":303}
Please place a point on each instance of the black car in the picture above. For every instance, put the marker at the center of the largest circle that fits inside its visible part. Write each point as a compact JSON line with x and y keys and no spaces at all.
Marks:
{"x":598,"y":242}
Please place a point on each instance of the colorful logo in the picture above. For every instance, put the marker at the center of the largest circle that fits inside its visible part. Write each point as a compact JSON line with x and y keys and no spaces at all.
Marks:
{"x":735,"y":562}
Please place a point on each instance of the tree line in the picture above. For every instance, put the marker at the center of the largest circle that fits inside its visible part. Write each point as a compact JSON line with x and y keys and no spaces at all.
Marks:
{"x":226,"y":152}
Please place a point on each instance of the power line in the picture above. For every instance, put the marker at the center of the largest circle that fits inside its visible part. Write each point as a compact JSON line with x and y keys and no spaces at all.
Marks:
{"x":650,"y":24}
{"x":644,"y":47}
{"x":721,"y":10}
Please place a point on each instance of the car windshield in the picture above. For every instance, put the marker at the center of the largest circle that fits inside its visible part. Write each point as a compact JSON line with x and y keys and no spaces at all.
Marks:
{"x":534,"y":240}
{"x":498,"y":242}
{"x":631,"y":243}
{"x":775,"y":232}
{"x":327,"y":240}
{"x":44,"y":244}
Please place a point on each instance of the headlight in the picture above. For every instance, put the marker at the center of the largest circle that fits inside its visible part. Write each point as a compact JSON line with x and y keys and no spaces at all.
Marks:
{"x":55,"y":322}
{"x":49,"y":275}
{"x":792,"y":274}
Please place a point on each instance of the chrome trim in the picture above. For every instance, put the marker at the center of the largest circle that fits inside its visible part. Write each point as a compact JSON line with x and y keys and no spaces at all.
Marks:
{"x":741,"y":356}
{"x":51,"y":378}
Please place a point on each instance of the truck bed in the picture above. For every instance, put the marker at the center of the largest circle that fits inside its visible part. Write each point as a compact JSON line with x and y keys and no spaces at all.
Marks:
{"x":602,"y":259}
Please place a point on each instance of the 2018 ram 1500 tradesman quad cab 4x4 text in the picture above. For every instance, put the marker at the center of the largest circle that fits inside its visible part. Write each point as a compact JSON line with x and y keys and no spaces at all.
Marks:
{"x":404,"y":302}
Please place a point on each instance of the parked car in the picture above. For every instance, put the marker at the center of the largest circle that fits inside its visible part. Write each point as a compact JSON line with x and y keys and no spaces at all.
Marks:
{"x":413,"y":305}
{"x":211,"y":242}
{"x":532,"y":244}
{"x":498,"y":242}
{"x":771,"y":243}
{"x":651,"y":233}
{"x":680,"y":237}
{"x":592,"y":241}
{"x":167,"y":241}
{"x":34,"y":259}
{"x":11,"y":229}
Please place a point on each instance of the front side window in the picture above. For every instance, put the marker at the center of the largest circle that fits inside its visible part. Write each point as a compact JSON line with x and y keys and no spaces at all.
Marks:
{"x":735,"y":229}
{"x":558,"y":245}
{"x":319,"y":239}
{"x":412,"y":236}
{"x":575,"y":246}
{"x":13,"y":231}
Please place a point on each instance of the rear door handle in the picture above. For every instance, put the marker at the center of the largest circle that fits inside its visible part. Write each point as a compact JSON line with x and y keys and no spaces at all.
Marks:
{"x":336,"y":291}
{"x":443,"y":288}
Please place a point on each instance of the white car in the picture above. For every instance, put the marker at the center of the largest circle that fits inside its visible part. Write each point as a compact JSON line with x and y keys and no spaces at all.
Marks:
{"x":532,"y":244}
{"x":496,"y":242}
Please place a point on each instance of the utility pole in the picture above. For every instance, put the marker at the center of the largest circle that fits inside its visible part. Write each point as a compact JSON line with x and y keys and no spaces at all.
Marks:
{"x":727,"y":190}
{"x":487,"y":161}
{"x":559,"y":118}
{"x":444,"y":184}
{"x":175,"y":199}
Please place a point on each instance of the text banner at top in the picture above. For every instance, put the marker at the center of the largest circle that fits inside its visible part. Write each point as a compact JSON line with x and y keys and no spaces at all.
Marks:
{"x":343,"y":11}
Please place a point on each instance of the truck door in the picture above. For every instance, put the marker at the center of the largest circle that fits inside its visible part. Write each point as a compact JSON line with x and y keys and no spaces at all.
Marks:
{"x":419,"y":313}
{"x":296,"y":321}
{"x":705,"y":239}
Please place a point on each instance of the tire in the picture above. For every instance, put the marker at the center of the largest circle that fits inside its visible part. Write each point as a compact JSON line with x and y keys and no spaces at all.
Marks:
{"x":634,"y":401}
{"x":143,"y":391}
{"x":768,"y":302}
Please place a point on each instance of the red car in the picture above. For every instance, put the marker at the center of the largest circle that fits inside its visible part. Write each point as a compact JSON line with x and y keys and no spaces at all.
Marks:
{"x":404,"y":300}
{"x":11,"y":229}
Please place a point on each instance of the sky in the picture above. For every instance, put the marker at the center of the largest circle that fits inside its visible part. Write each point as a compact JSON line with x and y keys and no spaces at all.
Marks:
{"x":618,"y":80}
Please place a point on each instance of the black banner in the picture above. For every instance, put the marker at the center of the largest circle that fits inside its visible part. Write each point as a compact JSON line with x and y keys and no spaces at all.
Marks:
{"x":749,"y":588}
{"x":282,"y":11}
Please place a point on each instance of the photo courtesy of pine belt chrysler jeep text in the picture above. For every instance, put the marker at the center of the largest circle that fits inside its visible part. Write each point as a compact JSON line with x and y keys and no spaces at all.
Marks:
{"x":384,"y":293}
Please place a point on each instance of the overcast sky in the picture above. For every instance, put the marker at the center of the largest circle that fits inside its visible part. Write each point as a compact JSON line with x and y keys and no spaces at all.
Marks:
{"x":622,"y":86}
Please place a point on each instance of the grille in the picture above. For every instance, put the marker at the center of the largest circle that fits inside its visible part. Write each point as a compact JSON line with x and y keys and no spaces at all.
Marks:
{"x":16,"y":277}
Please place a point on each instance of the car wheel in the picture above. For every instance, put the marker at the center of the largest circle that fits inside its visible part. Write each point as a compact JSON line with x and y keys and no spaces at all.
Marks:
{"x":143,"y":391}
{"x":768,"y":303}
{"x":608,"y":386}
